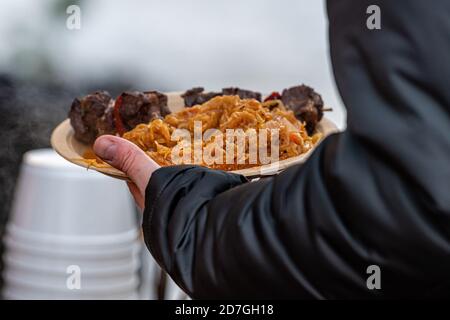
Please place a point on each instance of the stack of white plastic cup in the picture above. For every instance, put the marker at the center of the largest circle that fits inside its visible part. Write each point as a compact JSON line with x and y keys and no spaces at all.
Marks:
{"x":72,"y":234}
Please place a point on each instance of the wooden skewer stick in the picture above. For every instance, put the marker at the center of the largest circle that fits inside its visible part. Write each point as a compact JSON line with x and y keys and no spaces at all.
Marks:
{"x":327,"y":109}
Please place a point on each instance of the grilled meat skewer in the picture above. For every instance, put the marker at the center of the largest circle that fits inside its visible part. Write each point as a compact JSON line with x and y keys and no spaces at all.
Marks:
{"x":95,"y":114}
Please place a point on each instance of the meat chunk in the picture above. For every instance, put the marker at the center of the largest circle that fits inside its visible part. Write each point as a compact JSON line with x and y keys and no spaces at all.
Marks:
{"x":105,"y":124}
{"x":243,"y":94}
{"x":197,"y":95}
{"x":142,"y":107}
{"x":93,"y":115}
{"x":159,"y":103}
{"x":85,"y":113}
{"x":306,"y":104}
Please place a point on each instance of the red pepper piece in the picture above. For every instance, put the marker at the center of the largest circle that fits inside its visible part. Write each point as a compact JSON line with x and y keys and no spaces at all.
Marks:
{"x":273,"y":96}
{"x":117,"y":118}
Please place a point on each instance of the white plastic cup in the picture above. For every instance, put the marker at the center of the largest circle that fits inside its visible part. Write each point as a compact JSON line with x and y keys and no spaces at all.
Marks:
{"x":58,"y":198}
{"x":62,"y":216}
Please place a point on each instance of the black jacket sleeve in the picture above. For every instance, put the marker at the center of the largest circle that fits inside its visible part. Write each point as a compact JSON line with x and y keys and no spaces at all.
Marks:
{"x":377,"y":194}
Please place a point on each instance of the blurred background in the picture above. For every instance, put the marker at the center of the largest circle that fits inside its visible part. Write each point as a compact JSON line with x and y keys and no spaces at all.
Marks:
{"x":147,"y":44}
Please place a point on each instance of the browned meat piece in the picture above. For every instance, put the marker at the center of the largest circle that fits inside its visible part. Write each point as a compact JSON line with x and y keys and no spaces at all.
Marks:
{"x":243,"y":94}
{"x":85,"y":112}
{"x":142,"y":107}
{"x":197,"y":96}
{"x":158,"y":102}
{"x":105,"y":124}
{"x":306,"y":104}
{"x":93,"y":115}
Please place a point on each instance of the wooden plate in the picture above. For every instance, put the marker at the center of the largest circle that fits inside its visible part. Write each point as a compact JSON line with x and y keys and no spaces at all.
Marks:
{"x":65,"y":144}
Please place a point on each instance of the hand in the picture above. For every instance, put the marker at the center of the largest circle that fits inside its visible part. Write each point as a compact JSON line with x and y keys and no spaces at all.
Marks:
{"x":128,"y":158}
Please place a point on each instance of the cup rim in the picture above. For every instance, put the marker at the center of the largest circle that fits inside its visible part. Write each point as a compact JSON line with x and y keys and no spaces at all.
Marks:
{"x":11,"y":281}
{"x":63,"y":251}
{"x":55,"y":279}
{"x":112,"y":269}
{"x":47,"y":238}
{"x":12,"y":294}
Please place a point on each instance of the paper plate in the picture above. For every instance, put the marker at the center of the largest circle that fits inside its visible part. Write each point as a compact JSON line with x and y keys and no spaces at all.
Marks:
{"x":65,"y":144}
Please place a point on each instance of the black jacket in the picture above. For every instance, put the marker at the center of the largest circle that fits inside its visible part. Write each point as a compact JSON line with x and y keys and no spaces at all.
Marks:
{"x":377,"y":194}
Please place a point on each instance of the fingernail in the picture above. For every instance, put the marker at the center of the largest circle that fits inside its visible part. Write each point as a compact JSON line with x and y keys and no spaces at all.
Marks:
{"x":105,"y":149}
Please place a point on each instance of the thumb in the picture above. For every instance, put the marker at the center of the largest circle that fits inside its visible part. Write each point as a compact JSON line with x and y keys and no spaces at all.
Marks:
{"x":127,"y":157}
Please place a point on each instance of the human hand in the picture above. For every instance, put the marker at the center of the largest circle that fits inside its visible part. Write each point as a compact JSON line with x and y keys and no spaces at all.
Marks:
{"x":128,"y":158}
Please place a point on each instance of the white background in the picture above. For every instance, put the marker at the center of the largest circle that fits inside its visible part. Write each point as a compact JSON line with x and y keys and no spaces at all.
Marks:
{"x":173,"y":45}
